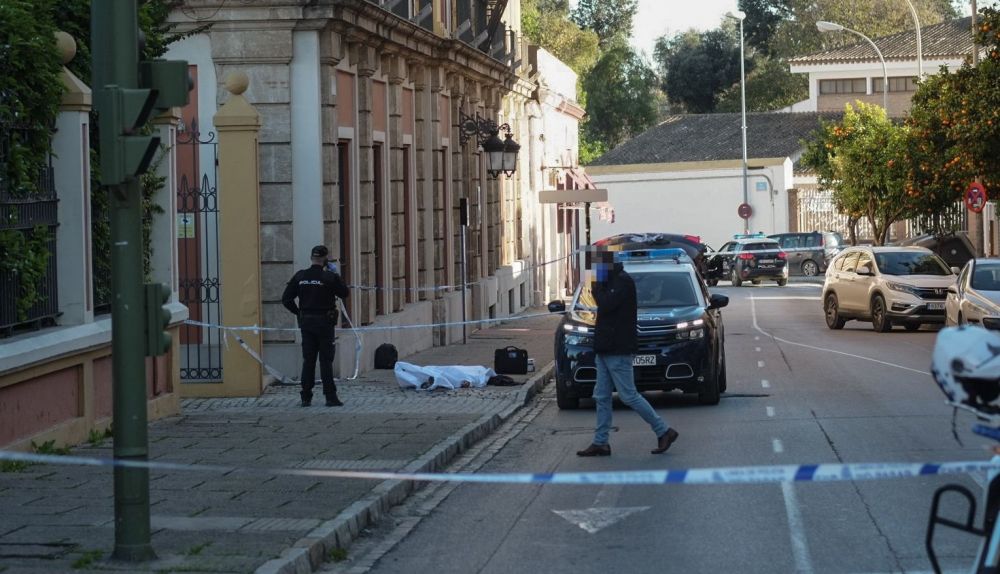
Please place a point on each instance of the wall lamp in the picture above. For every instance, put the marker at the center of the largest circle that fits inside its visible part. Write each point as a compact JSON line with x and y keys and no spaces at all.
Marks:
{"x":501,"y":155}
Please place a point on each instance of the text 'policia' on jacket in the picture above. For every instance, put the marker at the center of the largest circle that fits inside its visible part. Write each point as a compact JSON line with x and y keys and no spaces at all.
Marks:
{"x":315,"y":288}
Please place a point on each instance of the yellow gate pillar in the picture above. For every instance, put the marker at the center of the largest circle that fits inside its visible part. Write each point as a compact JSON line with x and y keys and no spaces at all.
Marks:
{"x":238,"y":125}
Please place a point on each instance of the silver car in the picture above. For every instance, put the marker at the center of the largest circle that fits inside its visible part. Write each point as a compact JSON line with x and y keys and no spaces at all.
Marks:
{"x":975,"y":297}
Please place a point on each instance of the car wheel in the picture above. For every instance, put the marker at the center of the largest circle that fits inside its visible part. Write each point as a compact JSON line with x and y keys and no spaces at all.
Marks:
{"x":734,"y":276}
{"x":782,"y":282}
{"x":810,"y":268}
{"x":712,"y":389}
{"x":911,"y":327}
{"x":831,"y":309}
{"x":564,"y":400}
{"x":712,"y":282}
{"x":880,"y":315}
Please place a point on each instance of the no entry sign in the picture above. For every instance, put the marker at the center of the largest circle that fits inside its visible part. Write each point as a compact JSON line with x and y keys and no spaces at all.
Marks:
{"x":745,"y":211}
{"x":975,"y":197}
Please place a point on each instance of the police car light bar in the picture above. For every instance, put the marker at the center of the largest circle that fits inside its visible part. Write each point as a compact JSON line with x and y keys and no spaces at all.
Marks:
{"x":759,"y":234}
{"x":674,"y":253}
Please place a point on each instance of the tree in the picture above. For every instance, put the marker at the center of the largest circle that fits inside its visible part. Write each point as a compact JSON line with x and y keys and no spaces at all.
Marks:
{"x":955,"y":122}
{"x":697,"y":66}
{"x":611,"y":20}
{"x":787,"y":28}
{"x":770,"y":86}
{"x":621,"y":101}
{"x":546,"y":23}
{"x":862,"y":160}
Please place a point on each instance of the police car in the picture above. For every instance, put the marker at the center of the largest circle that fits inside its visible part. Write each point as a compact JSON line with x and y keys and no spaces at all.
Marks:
{"x":753,"y":258}
{"x":680,"y":332}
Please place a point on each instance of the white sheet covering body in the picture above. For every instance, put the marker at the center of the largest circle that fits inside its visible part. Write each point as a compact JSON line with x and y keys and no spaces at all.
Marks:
{"x":413,"y":376}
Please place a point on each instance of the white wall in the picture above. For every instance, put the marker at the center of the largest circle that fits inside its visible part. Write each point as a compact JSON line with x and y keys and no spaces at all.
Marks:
{"x":695,"y":202}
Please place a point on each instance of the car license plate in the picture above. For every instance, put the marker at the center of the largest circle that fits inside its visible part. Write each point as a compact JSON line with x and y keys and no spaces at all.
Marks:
{"x":766,"y":261}
{"x":644,"y":361}
{"x":935,"y":306}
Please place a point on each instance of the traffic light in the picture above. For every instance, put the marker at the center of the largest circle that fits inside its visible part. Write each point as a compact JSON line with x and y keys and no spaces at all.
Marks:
{"x":125,"y":153}
{"x":158,"y":340}
{"x":169,"y":79}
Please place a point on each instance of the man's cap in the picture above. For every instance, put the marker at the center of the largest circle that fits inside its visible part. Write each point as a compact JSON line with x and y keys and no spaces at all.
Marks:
{"x":320,"y":251}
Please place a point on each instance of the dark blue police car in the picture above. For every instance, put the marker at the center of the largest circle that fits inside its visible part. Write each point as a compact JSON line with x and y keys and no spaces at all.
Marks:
{"x":680,"y":332}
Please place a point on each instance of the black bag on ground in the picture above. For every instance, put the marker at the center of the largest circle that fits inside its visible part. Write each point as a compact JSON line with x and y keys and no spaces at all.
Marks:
{"x":502,"y":381}
{"x":510,"y":361}
{"x":386,"y":356}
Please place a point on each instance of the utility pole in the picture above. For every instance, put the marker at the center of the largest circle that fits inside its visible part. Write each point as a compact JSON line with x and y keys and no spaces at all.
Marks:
{"x":126,"y":94}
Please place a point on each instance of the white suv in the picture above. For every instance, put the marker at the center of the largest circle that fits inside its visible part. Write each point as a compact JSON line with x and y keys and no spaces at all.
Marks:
{"x":886,"y":285}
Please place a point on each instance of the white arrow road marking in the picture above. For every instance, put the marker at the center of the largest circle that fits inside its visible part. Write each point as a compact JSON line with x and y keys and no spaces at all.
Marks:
{"x":593,"y":520}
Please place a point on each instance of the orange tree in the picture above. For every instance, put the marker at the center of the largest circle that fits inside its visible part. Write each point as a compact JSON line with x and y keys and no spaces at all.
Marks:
{"x":955,"y":127}
{"x":859,"y":159}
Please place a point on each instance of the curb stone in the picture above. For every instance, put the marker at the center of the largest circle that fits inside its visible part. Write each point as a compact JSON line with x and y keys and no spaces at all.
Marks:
{"x":310,"y":552}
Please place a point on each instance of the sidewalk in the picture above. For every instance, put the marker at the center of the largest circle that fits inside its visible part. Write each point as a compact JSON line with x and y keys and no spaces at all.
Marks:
{"x":60,"y":519}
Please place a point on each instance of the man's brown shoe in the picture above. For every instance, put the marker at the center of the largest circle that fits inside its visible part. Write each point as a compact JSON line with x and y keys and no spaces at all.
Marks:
{"x":595,"y":450}
{"x":664,"y":441}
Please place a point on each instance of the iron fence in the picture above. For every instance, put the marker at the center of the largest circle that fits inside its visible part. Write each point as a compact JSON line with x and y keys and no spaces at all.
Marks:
{"x":22,"y":211}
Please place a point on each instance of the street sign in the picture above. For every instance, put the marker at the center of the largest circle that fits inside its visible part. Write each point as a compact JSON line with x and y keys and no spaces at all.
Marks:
{"x":745,"y":211}
{"x":975,"y":197}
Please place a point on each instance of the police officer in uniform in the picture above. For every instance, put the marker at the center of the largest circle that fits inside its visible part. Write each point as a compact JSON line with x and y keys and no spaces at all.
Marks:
{"x":316,"y":288}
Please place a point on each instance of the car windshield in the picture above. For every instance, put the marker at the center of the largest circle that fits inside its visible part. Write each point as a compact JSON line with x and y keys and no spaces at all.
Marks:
{"x":762,"y":246}
{"x":986,"y":277}
{"x":910,"y":263}
{"x":653,"y":289}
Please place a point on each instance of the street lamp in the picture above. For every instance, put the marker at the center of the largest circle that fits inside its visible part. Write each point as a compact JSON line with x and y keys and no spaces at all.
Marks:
{"x":920,"y":50}
{"x":740,"y":15}
{"x":824,"y":26}
{"x":501,"y":155}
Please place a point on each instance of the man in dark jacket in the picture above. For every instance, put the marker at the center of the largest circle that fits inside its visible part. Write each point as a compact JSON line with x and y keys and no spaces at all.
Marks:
{"x":317,"y":289}
{"x":615,"y":341}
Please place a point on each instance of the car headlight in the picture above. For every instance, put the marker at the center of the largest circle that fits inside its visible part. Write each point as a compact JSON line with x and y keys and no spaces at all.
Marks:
{"x":691,"y":329}
{"x":581,"y":329}
{"x":579,"y":340}
{"x":902,"y":288}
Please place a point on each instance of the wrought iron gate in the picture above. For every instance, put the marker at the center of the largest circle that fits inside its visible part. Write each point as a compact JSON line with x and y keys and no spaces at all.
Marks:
{"x":198,"y":254}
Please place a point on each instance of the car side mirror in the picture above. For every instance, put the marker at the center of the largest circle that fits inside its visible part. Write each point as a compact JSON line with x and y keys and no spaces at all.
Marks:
{"x":865,"y":270}
{"x":717,"y":301}
{"x":955,"y":270}
{"x":557,"y":307}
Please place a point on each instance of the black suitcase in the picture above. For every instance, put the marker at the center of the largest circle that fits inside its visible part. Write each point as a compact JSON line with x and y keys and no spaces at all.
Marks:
{"x":510,"y":361}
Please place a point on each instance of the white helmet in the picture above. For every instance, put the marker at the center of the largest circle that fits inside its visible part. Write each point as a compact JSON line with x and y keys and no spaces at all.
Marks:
{"x":966,"y":365}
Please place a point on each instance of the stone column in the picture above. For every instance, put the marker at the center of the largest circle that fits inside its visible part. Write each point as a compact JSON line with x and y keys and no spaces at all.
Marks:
{"x":423,"y":143}
{"x":364,"y":57}
{"x":71,"y":166}
{"x":399,"y":250}
{"x":459,"y":185}
{"x":238,"y":124}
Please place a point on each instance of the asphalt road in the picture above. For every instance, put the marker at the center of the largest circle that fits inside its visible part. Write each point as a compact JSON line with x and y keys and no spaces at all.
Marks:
{"x":798,"y":393}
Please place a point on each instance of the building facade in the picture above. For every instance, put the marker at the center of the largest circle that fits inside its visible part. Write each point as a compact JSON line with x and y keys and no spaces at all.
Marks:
{"x":371,"y":115}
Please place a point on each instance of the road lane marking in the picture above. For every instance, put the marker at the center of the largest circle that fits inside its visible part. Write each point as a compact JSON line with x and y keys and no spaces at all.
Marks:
{"x":777,"y":446}
{"x":756,"y":338}
{"x":753,"y":313}
{"x":760,"y":364}
{"x":770,"y":411}
{"x":765,"y":384}
{"x":593,"y":520}
{"x":796,"y":530}
{"x":757,"y":349}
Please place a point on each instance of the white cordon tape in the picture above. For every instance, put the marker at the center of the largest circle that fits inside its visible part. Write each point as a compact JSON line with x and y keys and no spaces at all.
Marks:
{"x":694,"y":476}
{"x":255,"y":328}
{"x":358,"y":347}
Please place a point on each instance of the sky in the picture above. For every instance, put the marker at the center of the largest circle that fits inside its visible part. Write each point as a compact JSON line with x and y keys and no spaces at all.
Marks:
{"x":659,"y":17}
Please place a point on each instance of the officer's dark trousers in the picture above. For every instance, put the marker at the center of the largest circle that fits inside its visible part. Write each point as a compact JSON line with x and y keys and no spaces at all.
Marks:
{"x":317,"y":340}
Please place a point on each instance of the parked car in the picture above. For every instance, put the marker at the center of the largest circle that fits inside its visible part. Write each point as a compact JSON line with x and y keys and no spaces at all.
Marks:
{"x":809,"y":253}
{"x":753,"y":258}
{"x":680,"y":331}
{"x":887,"y":286}
{"x":974,"y":299}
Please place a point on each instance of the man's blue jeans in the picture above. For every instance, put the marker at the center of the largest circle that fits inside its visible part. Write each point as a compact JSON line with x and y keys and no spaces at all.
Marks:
{"x":614,"y":372}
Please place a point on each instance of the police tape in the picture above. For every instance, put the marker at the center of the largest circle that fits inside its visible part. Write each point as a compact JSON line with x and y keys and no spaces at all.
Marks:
{"x":694,"y":476}
{"x":496,"y":320}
